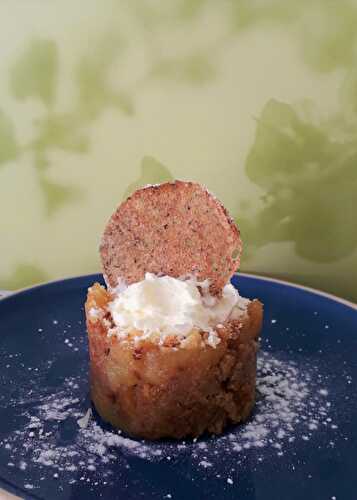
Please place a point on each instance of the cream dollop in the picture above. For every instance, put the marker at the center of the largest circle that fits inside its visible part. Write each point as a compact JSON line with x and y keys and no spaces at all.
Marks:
{"x":169,"y":306}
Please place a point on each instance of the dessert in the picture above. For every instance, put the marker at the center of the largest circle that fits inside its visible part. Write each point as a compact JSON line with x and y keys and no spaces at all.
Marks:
{"x":172,"y":344}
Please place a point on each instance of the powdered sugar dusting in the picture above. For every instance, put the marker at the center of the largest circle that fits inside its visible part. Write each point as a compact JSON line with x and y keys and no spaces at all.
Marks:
{"x":292,"y":404}
{"x":58,"y":410}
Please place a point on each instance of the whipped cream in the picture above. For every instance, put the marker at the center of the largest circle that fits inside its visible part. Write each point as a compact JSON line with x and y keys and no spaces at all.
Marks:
{"x":168,"y":306}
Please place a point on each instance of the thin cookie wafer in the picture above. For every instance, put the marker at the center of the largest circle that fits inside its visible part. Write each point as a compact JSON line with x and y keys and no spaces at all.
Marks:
{"x":175,"y":229}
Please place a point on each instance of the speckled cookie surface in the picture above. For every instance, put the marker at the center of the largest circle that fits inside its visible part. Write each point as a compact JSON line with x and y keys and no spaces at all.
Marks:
{"x":175,"y":228}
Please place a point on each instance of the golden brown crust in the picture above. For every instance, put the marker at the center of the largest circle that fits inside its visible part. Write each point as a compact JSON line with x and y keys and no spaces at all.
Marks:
{"x":153,"y":392}
{"x":176,"y":228}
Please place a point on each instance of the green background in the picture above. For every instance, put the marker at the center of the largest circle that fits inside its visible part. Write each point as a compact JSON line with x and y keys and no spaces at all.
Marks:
{"x":257,"y":100}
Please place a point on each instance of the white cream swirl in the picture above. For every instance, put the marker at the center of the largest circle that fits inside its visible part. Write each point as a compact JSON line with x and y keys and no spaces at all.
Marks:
{"x":171,"y":306}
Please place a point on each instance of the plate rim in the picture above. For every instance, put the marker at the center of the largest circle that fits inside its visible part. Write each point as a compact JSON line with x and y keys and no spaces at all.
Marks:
{"x":309,"y":289}
{"x":260,"y":277}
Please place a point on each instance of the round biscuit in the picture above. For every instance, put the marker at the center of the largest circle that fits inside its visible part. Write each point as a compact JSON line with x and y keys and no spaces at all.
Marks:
{"x":176,"y":229}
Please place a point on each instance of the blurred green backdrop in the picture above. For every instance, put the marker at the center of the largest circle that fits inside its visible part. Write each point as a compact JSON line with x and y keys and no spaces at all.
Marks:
{"x":255,"y":99}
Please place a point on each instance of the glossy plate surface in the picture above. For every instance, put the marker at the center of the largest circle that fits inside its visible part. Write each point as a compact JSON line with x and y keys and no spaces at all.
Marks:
{"x":301,"y":441}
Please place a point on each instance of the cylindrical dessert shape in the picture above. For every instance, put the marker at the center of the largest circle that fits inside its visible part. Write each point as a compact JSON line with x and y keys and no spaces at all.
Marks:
{"x":154,"y":391}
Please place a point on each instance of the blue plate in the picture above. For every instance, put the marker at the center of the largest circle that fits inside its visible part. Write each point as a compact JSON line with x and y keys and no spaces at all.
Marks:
{"x":301,"y":441}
